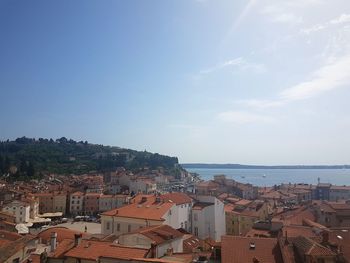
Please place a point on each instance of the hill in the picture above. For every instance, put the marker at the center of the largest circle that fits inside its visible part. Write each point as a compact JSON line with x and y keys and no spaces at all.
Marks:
{"x":27,"y":157}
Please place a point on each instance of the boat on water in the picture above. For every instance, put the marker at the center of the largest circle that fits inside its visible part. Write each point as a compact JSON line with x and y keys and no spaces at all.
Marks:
{"x":264,"y":175}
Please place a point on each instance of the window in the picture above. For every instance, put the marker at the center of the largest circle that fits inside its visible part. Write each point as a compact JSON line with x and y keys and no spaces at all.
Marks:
{"x":73,"y":202}
{"x":78,"y":202}
{"x":108,"y":225}
{"x":129,"y":228}
{"x":196,"y":231}
{"x":118,"y":227}
{"x":182,"y":225}
{"x":195,"y":217}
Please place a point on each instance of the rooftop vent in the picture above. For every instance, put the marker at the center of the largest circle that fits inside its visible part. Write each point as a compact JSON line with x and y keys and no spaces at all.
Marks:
{"x":252,"y":245}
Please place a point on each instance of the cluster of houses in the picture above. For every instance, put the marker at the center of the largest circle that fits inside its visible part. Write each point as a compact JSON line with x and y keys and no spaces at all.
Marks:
{"x":221,"y":221}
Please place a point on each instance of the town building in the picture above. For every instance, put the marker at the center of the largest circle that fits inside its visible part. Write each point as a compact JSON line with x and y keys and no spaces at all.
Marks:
{"x":91,"y":203}
{"x":161,"y":240}
{"x":52,"y":202}
{"x":333,"y":214}
{"x":76,"y":203}
{"x":144,"y":210}
{"x":20,"y":209}
{"x":208,"y":218}
{"x":338,"y":193}
{"x":182,"y":210}
{"x":243,"y":214}
{"x":7,"y":221}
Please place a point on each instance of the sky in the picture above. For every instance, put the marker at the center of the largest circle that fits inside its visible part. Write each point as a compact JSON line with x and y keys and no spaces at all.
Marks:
{"x":212,"y":81}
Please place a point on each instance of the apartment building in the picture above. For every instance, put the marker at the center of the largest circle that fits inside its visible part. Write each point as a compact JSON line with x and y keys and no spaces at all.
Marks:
{"x":208,"y":218}
{"x":52,"y":202}
{"x":144,"y":210}
{"x":76,"y":203}
{"x":20,"y":209}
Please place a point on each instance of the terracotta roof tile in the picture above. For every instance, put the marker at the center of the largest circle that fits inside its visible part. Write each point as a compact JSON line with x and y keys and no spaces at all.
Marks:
{"x":159,"y":234}
{"x":201,"y":205}
{"x":311,"y":247}
{"x":62,"y":233}
{"x":10,"y":236}
{"x":177,"y":198}
{"x":62,"y":248}
{"x":92,"y":250}
{"x":147,"y":209}
{"x":244,"y":249}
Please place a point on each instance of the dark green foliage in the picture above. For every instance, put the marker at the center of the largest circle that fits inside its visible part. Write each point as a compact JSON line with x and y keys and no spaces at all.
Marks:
{"x":66,"y":156}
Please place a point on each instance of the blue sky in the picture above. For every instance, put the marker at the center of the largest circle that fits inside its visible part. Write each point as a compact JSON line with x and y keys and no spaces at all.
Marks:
{"x":246,"y":81}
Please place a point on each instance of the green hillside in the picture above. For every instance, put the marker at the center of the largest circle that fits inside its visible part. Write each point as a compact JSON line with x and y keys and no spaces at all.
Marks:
{"x":28,"y":158}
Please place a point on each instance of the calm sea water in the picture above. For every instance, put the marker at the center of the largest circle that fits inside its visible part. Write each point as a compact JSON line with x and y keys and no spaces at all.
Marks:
{"x":278,"y":176}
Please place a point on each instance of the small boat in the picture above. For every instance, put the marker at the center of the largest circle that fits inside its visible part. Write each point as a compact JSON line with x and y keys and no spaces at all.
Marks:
{"x":243,"y":176}
{"x":264,"y":175}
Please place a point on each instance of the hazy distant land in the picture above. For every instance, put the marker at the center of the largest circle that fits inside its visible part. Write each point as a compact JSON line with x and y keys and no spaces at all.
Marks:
{"x":243,"y":166}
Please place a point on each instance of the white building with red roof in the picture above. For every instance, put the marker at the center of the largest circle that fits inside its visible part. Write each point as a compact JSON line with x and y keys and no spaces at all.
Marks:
{"x":144,"y":210}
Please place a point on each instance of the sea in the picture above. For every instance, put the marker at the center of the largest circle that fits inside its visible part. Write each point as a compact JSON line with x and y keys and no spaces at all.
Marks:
{"x":270,"y":177}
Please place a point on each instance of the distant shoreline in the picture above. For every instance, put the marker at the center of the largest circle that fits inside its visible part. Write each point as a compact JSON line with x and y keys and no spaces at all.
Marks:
{"x":242,"y":166}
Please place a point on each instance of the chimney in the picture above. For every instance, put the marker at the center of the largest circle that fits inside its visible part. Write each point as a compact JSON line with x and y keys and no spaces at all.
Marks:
{"x":325,"y":237}
{"x":77,"y":239}
{"x":153,"y":250}
{"x":53,"y":241}
{"x":286,"y":242}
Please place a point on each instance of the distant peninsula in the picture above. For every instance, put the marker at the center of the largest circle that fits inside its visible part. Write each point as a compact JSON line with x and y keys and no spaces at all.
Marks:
{"x":242,"y":166}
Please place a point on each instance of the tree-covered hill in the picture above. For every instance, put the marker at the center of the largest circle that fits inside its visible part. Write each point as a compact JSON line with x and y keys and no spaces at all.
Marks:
{"x":26,"y":157}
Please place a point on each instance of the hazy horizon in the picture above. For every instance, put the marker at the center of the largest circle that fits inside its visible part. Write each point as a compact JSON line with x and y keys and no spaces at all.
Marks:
{"x":249,"y":82}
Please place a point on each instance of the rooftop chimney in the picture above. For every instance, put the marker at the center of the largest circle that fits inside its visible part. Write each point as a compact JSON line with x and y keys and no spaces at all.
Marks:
{"x":53,"y":241}
{"x":77,"y":239}
{"x":325,"y":237}
{"x":286,"y":242}
{"x":252,"y":245}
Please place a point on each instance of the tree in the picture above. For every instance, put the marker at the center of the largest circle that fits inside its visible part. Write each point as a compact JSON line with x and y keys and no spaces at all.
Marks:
{"x":1,"y":165}
{"x":30,"y":169}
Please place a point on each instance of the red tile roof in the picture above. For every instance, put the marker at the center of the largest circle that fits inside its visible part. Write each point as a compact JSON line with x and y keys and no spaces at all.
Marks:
{"x":190,"y":242}
{"x":310,"y":247}
{"x":295,"y":230}
{"x":62,"y":233}
{"x":177,"y":198}
{"x":92,"y":250}
{"x":159,"y":234}
{"x":10,"y":236}
{"x":62,"y":248}
{"x":77,"y":194}
{"x":244,"y":249}
{"x":35,"y":258}
{"x":201,"y":205}
{"x":149,"y":209}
